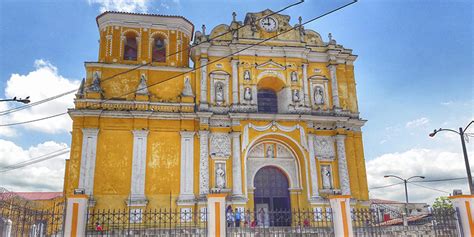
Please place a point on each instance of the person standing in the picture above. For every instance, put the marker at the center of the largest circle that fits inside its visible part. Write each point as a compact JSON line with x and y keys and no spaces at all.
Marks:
{"x":237,"y":217}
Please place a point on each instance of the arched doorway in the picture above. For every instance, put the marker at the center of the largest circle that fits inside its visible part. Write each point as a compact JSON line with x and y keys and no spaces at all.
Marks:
{"x":267,"y":101}
{"x":272,"y":196}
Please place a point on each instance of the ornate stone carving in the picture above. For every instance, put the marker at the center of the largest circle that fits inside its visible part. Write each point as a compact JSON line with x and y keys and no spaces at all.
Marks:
{"x":203,"y":162}
{"x":95,"y":86}
{"x":342,"y":165}
{"x":294,"y":76}
{"x":219,"y":123}
{"x":142,"y":88}
{"x":324,"y":147}
{"x":283,"y":152}
{"x":220,"y":176}
{"x":248,"y":94}
{"x":319,"y":95}
{"x":326,"y":176}
{"x":296,"y":95}
{"x":220,"y":145}
{"x":247,"y":75}
{"x":257,"y":151}
{"x":270,"y":153}
{"x":187,"y":89}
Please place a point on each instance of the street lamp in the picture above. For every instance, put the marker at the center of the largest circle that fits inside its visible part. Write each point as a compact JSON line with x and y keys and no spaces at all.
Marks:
{"x":461,"y":133}
{"x":405,"y":181}
{"x":24,"y":101}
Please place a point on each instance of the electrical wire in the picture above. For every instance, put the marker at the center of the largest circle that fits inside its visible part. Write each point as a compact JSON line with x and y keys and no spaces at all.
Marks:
{"x":385,"y":186}
{"x":195,"y":69}
{"x":5,"y":112}
{"x":434,"y":189}
{"x":42,"y":158}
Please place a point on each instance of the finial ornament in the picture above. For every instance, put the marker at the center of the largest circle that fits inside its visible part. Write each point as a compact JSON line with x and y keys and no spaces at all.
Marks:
{"x":233,"y":16}
{"x":330,"y":36}
{"x":300,"y":19}
{"x":204,"y":29}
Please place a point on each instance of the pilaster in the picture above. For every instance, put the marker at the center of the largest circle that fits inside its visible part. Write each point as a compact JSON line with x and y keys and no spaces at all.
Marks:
{"x":203,"y":98}
{"x":203,"y":163}
{"x":137,"y":192}
{"x":187,"y":168}
{"x":236,"y":166}
{"x":305,"y":84}
{"x":88,"y":157}
{"x":312,"y":168}
{"x":342,"y":165}
{"x":235,"y":81}
{"x":335,"y":89}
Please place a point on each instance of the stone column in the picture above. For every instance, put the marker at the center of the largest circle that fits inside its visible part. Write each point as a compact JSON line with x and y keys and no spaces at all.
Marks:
{"x":187,"y":167}
{"x":341,"y":212}
{"x":204,"y":81}
{"x":216,"y":219}
{"x":88,"y":156}
{"x":235,"y":81}
{"x":335,"y":90}
{"x":342,"y":165}
{"x":312,"y":168}
{"x":76,"y":216}
{"x":236,"y":165}
{"x":203,"y":163}
{"x":137,"y":192}
{"x":305,"y":84}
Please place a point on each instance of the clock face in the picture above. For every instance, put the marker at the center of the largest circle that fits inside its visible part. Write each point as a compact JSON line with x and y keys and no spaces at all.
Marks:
{"x":269,"y":24}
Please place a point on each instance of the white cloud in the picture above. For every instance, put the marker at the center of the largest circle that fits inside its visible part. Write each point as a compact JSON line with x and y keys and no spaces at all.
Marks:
{"x":39,"y":84}
{"x":43,"y":176}
{"x":433,"y":164}
{"x":121,"y":5}
{"x":446,"y":103}
{"x":417,"y":123}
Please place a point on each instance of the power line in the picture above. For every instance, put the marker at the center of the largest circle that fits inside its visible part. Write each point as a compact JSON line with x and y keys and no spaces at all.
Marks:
{"x":34,"y":120}
{"x":386,"y":186}
{"x":211,"y":62}
{"x":35,"y":160}
{"x":434,"y":189}
{"x":5,"y":112}
{"x":436,"y":180}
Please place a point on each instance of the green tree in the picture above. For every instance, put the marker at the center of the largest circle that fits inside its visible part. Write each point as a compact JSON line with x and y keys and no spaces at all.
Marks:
{"x":442,"y":202}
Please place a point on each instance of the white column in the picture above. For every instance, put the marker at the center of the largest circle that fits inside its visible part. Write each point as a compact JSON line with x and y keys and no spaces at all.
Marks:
{"x":305,"y":84}
{"x":341,"y":212}
{"x":76,"y":216}
{"x":88,"y":156}
{"x":236,"y":165}
{"x":235,"y":82}
{"x":187,"y":166}
{"x":312,"y":167}
{"x":204,"y":81}
{"x":342,"y":165}
{"x":137,"y":192}
{"x":203,"y":162}
{"x":335,"y":90}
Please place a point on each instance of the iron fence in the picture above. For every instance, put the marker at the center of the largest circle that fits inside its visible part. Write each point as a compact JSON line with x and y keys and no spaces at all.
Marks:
{"x":139,"y":222}
{"x":296,"y":222}
{"x":32,"y":220}
{"x":438,"y":222}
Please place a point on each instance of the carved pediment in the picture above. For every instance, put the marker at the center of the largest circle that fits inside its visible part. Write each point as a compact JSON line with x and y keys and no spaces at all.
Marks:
{"x":270,"y":65}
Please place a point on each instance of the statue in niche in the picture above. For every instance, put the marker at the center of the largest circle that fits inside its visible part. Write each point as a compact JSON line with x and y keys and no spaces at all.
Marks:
{"x":142,"y":87}
{"x":187,"y":90}
{"x":327,"y":176}
{"x":294,"y":77}
{"x":296,"y":95}
{"x":95,"y":83}
{"x":247,"y":75}
{"x":318,"y":95}
{"x":247,"y":94}
{"x":219,"y":93}
{"x":270,"y":151}
{"x":220,"y":176}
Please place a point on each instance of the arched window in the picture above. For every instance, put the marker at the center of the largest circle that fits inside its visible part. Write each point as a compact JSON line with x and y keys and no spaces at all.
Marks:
{"x":158,"y":50}
{"x":130,"y":49}
{"x":267,"y":101}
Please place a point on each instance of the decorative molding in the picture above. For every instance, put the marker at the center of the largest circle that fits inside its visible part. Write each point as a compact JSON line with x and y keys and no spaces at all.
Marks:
{"x":220,"y":145}
{"x":203,"y":163}
{"x":324,"y":148}
{"x":274,"y":126}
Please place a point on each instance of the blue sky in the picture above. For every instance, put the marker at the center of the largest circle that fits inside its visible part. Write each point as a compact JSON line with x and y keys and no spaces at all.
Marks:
{"x":414,"y":72}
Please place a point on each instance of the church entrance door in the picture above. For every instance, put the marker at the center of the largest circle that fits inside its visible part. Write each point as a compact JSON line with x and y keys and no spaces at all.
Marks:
{"x":271,"y":197}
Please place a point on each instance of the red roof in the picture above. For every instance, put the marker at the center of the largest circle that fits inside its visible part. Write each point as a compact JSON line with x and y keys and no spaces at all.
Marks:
{"x":39,"y":195}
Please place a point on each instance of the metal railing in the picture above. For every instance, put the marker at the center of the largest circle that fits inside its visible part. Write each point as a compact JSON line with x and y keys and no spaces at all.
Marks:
{"x":148,"y":222}
{"x":296,"y":222}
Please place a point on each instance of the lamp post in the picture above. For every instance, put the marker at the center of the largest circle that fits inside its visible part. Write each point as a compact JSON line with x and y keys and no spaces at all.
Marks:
{"x":461,"y":133}
{"x":405,"y":181}
{"x":24,"y":101}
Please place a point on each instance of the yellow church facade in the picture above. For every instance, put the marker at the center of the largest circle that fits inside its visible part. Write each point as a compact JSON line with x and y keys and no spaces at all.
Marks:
{"x":272,"y":124}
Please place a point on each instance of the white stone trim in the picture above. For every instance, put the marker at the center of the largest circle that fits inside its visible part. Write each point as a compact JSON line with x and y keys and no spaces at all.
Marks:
{"x":235,"y":81}
{"x":305,"y":84}
{"x":236,"y":165}
{"x":342,"y":165}
{"x":274,"y":126}
{"x":203,"y":163}
{"x":88,"y":159}
{"x":187,"y":166}
{"x":222,"y":77}
{"x":335,"y":89}
{"x":204,"y":80}
{"x":312,"y":168}
{"x":137,"y":192}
